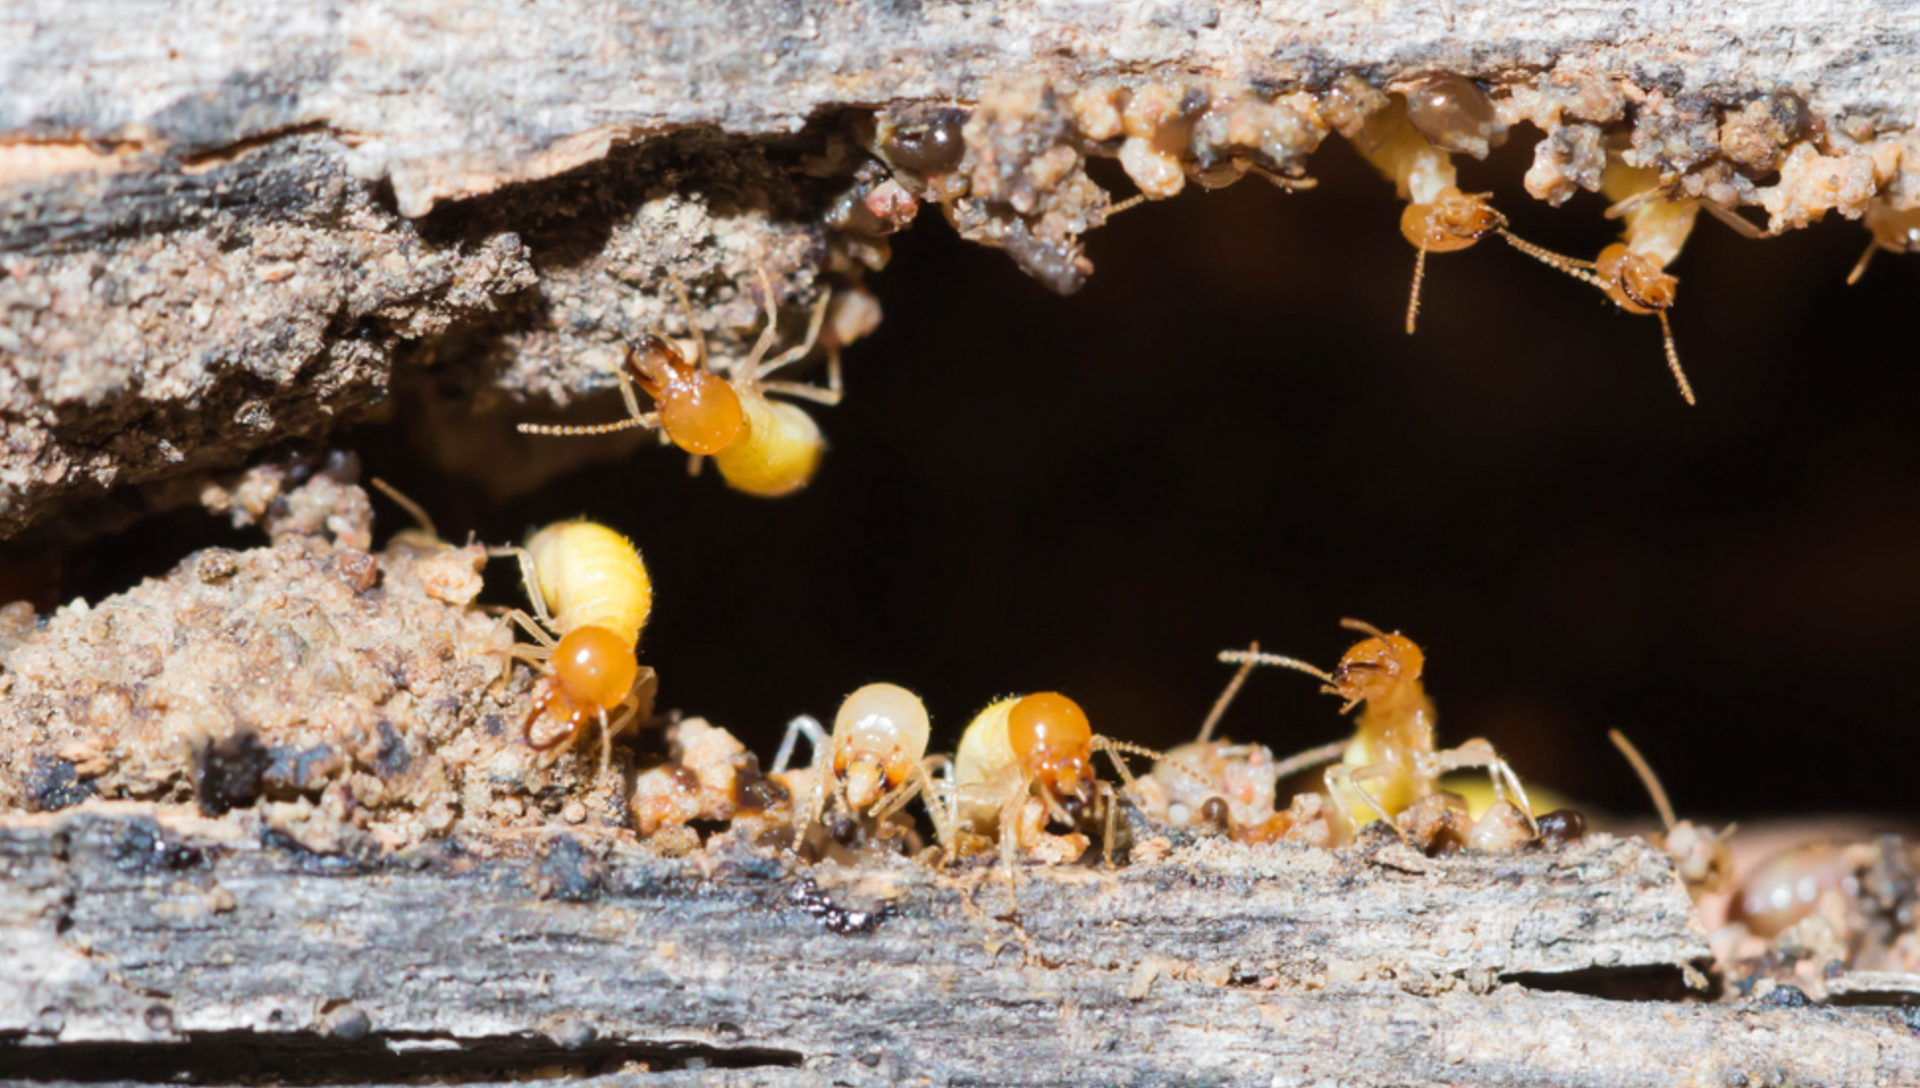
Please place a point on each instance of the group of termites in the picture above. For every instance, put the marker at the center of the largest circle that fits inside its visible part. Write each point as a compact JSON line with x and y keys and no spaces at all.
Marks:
{"x":1023,"y":780}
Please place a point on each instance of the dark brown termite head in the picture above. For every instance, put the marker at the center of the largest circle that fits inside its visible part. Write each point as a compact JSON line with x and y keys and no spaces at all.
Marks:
{"x":1454,"y":114}
{"x":1561,"y":827}
{"x":926,"y":141}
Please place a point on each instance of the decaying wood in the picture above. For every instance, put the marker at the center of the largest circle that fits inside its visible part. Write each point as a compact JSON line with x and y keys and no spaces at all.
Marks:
{"x":126,"y":930}
{"x":216,"y":232}
{"x":1222,"y":964}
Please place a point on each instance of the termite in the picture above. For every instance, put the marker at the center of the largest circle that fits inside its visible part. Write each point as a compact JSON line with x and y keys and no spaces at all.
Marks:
{"x":762,"y":447}
{"x":1409,"y":141}
{"x":1893,"y":231}
{"x":1393,"y":744}
{"x":1632,"y":271}
{"x":1231,"y":787}
{"x":1700,"y":856}
{"x":589,"y":587}
{"x":1025,"y":762}
{"x":875,"y":761}
{"x":1787,"y":887}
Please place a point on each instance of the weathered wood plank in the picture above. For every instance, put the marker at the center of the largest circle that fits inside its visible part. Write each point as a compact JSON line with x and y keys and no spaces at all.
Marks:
{"x":1221,"y":964}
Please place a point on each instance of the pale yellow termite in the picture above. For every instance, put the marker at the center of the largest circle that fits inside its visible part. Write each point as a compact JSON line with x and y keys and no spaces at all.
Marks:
{"x":589,"y":586}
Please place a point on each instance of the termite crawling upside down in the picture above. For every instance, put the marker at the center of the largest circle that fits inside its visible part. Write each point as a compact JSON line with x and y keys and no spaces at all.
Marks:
{"x":589,"y":587}
{"x":1411,"y":141}
{"x":761,"y":446}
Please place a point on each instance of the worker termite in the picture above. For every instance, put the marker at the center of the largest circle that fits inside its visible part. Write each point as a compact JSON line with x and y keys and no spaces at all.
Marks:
{"x":1232,"y":788}
{"x":1700,"y":856}
{"x":589,"y":586}
{"x":874,"y":762}
{"x":1409,"y":141}
{"x":762,"y":447}
{"x":1632,"y":271}
{"x":1393,"y":744}
{"x":1893,"y":231}
{"x":1025,"y":762}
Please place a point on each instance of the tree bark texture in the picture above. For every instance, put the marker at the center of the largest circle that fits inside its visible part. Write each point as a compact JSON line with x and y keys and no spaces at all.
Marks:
{"x":229,"y":224}
{"x":133,"y":934}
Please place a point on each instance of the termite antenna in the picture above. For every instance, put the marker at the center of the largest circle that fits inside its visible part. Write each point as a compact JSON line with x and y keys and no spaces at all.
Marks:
{"x":1741,"y":225}
{"x":1250,"y":657}
{"x":1578,"y":269}
{"x":1291,"y":185}
{"x":1413,"y":300}
{"x":414,"y":509}
{"x":1647,"y":777}
{"x":1673,"y":358}
{"x":575,"y":430}
{"x":1363,"y":627}
{"x":1122,"y":205}
{"x":1226,"y":697}
{"x":1860,"y":269}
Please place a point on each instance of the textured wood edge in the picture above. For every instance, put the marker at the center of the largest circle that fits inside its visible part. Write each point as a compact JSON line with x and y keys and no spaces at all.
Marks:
{"x":131,"y":928}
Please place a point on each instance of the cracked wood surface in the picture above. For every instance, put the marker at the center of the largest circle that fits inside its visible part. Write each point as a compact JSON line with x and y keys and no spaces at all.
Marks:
{"x":124,"y":926}
{"x":449,"y":99}
{"x":214,"y":227}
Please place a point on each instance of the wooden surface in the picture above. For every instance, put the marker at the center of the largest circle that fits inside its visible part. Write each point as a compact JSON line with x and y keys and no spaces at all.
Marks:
{"x":193,"y":945}
{"x":215,"y":224}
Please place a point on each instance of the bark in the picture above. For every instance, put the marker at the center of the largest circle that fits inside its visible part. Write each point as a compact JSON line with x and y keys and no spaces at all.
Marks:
{"x":233,"y":228}
{"x":133,"y":934}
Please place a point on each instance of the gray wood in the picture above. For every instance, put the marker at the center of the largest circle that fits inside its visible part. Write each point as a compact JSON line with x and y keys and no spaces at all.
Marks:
{"x":125,"y":926}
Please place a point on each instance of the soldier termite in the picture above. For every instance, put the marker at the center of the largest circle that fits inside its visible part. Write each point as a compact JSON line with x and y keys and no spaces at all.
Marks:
{"x":761,"y":446}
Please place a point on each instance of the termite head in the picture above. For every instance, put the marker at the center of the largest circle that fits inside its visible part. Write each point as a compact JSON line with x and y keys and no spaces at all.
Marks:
{"x":1375,"y":666}
{"x":698,"y":409}
{"x":1634,"y":281}
{"x":879,"y":736}
{"x":592,"y":672}
{"x":1453,"y":221}
{"x":1053,"y":740}
{"x":1700,"y":856}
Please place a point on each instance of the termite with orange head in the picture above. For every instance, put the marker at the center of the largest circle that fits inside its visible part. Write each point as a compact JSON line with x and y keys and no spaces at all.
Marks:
{"x":1025,"y":762}
{"x":588,"y":587}
{"x":1700,"y":856}
{"x":875,"y":761}
{"x":1632,"y":271}
{"x":1393,"y":746}
{"x":1410,"y":141}
{"x":761,"y":446}
{"x":1893,"y":231}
